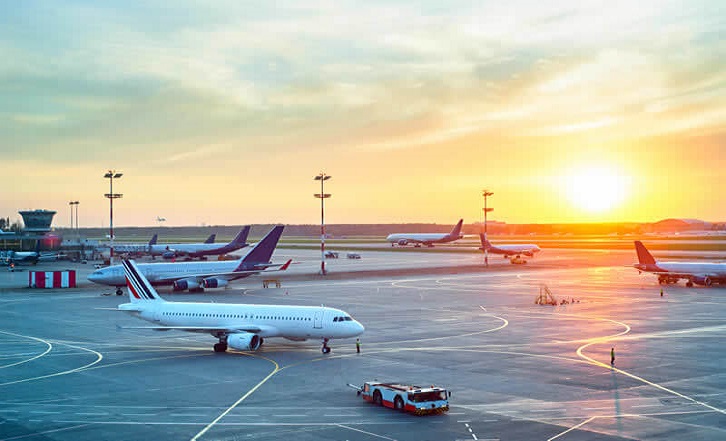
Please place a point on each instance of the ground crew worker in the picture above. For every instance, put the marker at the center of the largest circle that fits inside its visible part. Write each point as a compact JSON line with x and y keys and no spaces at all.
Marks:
{"x":661,"y":292}
{"x":357,"y":345}
{"x":612,"y":356}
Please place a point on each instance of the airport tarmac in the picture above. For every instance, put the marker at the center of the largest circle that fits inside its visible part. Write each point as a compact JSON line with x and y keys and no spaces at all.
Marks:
{"x":516,"y":370}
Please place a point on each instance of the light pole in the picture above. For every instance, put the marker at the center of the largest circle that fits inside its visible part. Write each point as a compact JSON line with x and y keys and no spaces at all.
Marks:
{"x":110,"y":175}
{"x":72,"y":203}
{"x":486,"y":193}
{"x":322,"y":177}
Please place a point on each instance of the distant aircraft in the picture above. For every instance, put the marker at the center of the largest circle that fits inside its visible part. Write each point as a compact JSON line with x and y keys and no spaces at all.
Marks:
{"x":160,"y":219}
{"x":699,"y":273}
{"x":195,"y":276}
{"x":200,"y":250}
{"x":240,"y":326}
{"x":509,"y":251}
{"x":427,"y":239}
{"x":30,"y":257}
{"x":133,"y":249}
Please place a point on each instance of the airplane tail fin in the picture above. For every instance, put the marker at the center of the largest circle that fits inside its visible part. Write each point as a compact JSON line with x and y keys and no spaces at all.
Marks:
{"x":485,"y":244}
{"x":644,"y":255}
{"x":212,"y":237}
{"x":140,"y":290}
{"x":241,"y":238}
{"x":262,"y":251}
{"x":152,"y":241}
{"x":456,"y":232}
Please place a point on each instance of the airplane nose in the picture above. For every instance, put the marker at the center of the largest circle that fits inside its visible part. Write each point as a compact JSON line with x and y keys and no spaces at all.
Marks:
{"x":93,"y":277}
{"x":359,"y":328}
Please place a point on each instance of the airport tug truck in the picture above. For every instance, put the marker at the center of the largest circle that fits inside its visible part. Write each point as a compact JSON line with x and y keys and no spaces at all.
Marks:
{"x":405,"y":398}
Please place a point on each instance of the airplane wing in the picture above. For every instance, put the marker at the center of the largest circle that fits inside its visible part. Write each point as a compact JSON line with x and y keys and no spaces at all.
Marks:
{"x":231,"y":275}
{"x":203,"y":329}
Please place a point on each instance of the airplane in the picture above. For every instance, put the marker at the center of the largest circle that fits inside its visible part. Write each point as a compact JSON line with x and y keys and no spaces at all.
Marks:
{"x":6,"y":233}
{"x":195,"y":276}
{"x":29,"y":257}
{"x":200,"y":250}
{"x":427,"y":239}
{"x":699,"y":273}
{"x":513,"y":251}
{"x":239,"y":326}
{"x":132,"y":248}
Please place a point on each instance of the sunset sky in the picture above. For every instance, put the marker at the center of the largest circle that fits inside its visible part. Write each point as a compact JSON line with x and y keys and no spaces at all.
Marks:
{"x":223,"y":112}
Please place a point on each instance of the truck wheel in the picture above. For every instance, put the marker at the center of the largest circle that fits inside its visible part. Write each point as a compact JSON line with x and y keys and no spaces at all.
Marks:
{"x":377,"y":398}
{"x":398,"y":403}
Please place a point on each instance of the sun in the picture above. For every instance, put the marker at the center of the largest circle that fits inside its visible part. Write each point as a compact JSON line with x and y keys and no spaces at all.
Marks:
{"x":596,"y":189}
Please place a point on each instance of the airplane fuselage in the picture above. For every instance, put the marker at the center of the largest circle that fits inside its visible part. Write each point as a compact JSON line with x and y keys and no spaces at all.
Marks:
{"x":292,"y":322}
{"x":162,"y":273}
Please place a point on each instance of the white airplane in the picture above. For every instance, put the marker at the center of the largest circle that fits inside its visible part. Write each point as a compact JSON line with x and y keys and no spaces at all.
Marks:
{"x":509,"y":251}
{"x":239,"y":326}
{"x":199,"y":250}
{"x":195,"y":276}
{"x":699,"y":273}
{"x":427,"y":239}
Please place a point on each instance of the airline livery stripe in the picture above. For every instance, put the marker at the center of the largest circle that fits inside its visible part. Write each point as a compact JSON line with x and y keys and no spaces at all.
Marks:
{"x":138,"y":282}
{"x":131,"y":281}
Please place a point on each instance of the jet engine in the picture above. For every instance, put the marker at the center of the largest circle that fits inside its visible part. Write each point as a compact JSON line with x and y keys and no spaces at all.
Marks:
{"x":705,"y":281}
{"x":244,"y":341}
{"x":403,"y":242}
{"x":214,"y":282}
{"x":168,"y":255}
{"x":184,"y":284}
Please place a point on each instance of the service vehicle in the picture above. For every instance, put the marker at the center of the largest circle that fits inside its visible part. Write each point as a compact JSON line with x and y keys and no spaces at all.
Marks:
{"x":517,"y":260}
{"x":353,"y":256}
{"x":331,"y":255}
{"x":405,"y":397}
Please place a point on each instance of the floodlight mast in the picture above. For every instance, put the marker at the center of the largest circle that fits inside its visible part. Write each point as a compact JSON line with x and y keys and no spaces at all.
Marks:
{"x":322,"y":177}
{"x":486,"y":193}
{"x":111,"y":175}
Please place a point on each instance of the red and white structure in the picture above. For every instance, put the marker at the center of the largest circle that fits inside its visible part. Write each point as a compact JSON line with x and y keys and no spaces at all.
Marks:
{"x":52,"y":279}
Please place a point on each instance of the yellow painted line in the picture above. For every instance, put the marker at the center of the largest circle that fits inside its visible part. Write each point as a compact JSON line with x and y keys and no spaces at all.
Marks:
{"x":244,"y":397}
{"x":575,"y":427}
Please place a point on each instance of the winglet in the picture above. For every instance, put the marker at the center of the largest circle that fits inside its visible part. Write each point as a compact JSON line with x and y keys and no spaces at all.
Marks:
{"x":287,"y":264}
{"x":644,"y":256}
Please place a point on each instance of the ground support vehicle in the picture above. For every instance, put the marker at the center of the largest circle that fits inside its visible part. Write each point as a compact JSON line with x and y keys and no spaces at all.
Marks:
{"x":405,"y":397}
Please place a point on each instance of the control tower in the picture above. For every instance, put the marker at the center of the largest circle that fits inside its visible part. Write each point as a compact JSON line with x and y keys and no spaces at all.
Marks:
{"x":37,"y":221}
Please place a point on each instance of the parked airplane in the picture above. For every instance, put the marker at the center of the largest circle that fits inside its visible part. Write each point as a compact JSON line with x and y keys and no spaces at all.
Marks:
{"x":28,"y":257}
{"x":700,"y":273}
{"x":427,"y":239}
{"x":195,"y":276}
{"x":6,"y":233}
{"x":133,"y":249}
{"x":240,"y":326}
{"x":509,"y":251}
{"x":200,"y":250}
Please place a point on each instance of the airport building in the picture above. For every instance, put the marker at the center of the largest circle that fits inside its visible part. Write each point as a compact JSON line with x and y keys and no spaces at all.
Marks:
{"x":37,"y":221}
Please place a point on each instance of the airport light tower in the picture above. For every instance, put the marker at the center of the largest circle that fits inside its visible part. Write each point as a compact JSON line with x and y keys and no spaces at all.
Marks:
{"x":110,"y":175}
{"x":486,"y":193}
{"x":322,"y":177}
{"x":71,"y":204}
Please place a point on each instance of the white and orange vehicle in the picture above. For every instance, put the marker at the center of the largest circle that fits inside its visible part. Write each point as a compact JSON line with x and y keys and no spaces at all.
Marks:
{"x":406,"y":398}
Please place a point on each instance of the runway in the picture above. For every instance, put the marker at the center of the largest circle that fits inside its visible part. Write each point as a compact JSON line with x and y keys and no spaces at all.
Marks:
{"x":516,"y":370}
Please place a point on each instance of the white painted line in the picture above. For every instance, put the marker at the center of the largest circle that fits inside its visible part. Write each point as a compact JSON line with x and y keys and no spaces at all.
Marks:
{"x":367,"y":433}
{"x":648,"y":405}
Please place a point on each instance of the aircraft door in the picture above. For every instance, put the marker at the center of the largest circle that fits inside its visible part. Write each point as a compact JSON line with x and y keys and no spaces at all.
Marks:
{"x":318,"y":319}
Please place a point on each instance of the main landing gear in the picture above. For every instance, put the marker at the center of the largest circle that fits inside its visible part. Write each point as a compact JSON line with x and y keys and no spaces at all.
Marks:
{"x":119,"y":292}
{"x":325,"y":349}
{"x":222,"y":345}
